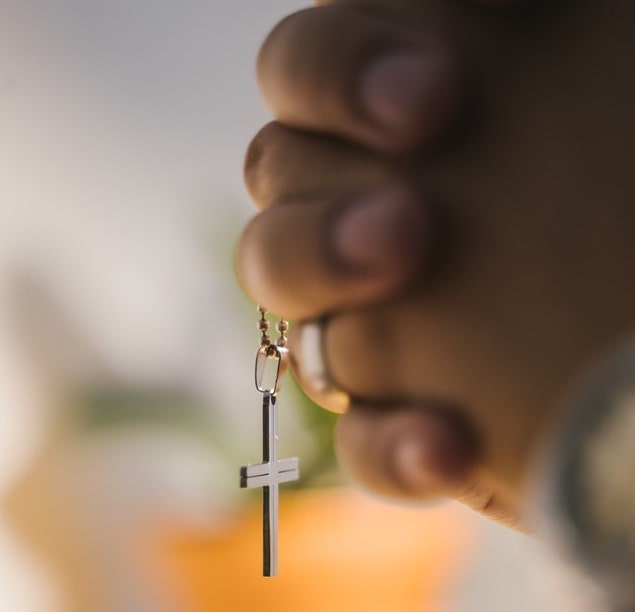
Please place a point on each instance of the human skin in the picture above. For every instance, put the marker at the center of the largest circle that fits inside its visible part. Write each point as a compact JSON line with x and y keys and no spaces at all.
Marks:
{"x":499,"y":213}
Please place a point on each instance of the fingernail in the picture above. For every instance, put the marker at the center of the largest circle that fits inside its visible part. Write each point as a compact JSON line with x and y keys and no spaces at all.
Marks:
{"x":394,"y":87}
{"x":414,"y":467}
{"x":431,"y":455}
{"x":382,"y":232}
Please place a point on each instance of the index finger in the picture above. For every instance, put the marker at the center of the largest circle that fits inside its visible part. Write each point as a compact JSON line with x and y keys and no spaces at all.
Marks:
{"x":376,"y":81}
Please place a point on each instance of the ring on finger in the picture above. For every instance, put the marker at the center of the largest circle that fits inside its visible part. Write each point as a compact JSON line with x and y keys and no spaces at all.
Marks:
{"x":311,"y":367}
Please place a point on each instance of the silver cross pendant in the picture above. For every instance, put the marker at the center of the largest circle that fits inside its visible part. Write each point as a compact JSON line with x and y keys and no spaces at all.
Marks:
{"x":272,"y":471}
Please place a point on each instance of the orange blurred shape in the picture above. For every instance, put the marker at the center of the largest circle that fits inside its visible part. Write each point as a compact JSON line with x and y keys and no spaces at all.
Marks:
{"x":340,"y":551}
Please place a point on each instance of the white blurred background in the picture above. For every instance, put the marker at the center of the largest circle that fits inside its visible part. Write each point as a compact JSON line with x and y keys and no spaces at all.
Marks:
{"x":125,"y":345}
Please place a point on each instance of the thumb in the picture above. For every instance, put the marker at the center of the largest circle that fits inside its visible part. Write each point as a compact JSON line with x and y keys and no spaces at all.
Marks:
{"x":417,"y":453}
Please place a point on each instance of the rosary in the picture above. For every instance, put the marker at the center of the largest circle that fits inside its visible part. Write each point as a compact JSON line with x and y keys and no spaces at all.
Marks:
{"x":271,"y":364}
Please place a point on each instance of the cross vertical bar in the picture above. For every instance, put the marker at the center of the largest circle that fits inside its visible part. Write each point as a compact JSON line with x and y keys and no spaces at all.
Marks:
{"x":269,"y":492}
{"x":268,"y":475}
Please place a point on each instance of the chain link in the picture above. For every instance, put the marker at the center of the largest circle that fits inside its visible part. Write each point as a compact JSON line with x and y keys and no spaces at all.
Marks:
{"x":263,"y":327}
{"x":282,"y":327}
{"x":271,"y":359}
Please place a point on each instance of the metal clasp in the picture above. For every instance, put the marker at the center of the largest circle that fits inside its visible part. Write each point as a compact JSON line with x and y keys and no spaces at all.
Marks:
{"x":271,"y":364}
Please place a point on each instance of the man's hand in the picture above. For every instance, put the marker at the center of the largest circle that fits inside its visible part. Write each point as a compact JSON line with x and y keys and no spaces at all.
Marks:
{"x":424,"y":193}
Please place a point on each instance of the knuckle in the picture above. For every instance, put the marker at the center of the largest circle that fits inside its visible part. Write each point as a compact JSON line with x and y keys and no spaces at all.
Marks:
{"x":283,"y":164}
{"x":258,"y":180}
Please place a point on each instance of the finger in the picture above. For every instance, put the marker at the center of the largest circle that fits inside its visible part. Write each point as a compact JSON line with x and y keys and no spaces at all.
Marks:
{"x":341,"y":70}
{"x":443,"y":344}
{"x":408,"y":452}
{"x":284,"y":164}
{"x":307,"y":261}
{"x":311,"y":371}
{"x":418,"y":453}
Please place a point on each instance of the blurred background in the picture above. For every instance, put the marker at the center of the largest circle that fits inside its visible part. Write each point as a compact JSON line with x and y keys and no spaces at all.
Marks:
{"x":126,"y":347}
